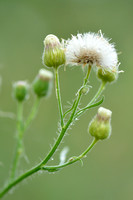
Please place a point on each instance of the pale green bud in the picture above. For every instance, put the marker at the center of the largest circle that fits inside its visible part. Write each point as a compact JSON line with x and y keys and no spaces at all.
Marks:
{"x":21,"y":90}
{"x":54,"y":52}
{"x":85,"y":89}
{"x":42,"y":84}
{"x":107,"y":76}
{"x":100,"y":126}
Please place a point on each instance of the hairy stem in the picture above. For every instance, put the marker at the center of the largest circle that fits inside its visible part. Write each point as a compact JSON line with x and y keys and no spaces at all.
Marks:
{"x":58,"y":141}
{"x":97,"y":95}
{"x":33,"y":113}
{"x":68,"y":111}
{"x":19,"y":179}
{"x":19,"y":145}
{"x":64,"y":129}
{"x":58,"y":95}
{"x":21,"y":127}
{"x":72,"y":160}
{"x":99,"y":92}
{"x":48,"y":168}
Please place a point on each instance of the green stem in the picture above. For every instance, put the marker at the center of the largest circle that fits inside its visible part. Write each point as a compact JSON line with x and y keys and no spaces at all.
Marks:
{"x":19,"y":145}
{"x":73,"y":160}
{"x":68,"y":111}
{"x":33,"y":113}
{"x":48,"y":168}
{"x":20,"y":131}
{"x":58,"y":141}
{"x":78,"y":98}
{"x":97,"y":95}
{"x":87,"y":75}
{"x":64,"y":129}
{"x":88,"y":149}
{"x":19,"y":179}
{"x":58,"y":96}
{"x":81,"y":111}
{"x":99,"y":92}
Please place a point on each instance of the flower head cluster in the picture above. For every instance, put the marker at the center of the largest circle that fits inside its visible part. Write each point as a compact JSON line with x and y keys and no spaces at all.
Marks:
{"x":93,"y":49}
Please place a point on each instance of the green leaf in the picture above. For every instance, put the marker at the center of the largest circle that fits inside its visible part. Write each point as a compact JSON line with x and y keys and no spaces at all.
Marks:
{"x":81,"y":111}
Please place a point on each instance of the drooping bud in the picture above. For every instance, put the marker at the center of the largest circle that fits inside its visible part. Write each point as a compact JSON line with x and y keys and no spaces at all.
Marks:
{"x":107,"y":76}
{"x":100,"y":126}
{"x":21,"y":90}
{"x":54,"y":53}
{"x":42,"y":84}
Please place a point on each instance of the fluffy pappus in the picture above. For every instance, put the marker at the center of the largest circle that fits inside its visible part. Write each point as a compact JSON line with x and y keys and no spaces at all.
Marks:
{"x":91,"y":48}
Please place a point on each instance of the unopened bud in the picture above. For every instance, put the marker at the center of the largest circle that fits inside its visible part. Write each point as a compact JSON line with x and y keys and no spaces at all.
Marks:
{"x":107,"y":76}
{"x":54,"y":53}
{"x":42,"y":84}
{"x":21,"y":90}
{"x":85,"y":89}
{"x":100,"y":126}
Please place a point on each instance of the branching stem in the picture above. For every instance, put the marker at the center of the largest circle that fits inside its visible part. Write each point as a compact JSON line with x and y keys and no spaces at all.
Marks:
{"x":72,"y":160}
{"x":59,"y":139}
{"x":91,"y":103}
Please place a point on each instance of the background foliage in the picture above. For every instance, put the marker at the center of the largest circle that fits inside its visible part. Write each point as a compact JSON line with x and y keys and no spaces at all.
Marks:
{"x":107,"y":171}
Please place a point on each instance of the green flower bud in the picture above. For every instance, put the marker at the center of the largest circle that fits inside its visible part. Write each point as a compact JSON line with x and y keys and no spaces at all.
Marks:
{"x":54,"y":53}
{"x":107,"y":76}
{"x":42,"y":84}
{"x":100,"y":126}
{"x":85,"y":89}
{"x":21,"y":90}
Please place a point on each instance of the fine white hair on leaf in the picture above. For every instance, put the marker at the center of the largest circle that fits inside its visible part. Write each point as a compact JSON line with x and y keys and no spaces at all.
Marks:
{"x":92,"y":48}
{"x":63,"y":155}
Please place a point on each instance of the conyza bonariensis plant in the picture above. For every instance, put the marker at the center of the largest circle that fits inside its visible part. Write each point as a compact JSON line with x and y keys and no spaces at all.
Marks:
{"x":88,"y":50}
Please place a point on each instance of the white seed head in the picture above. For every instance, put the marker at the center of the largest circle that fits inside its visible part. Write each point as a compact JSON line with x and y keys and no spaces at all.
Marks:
{"x":93,"y":49}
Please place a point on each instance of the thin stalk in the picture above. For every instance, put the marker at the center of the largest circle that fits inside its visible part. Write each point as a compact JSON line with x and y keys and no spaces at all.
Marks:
{"x":19,"y":145}
{"x":84,"y":83}
{"x":73,"y":160}
{"x":79,"y":97}
{"x":97,"y":95}
{"x":19,"y":179}
{"x":99,"y":92}
{"x":20,"y":132}
{"x":64,"y":129}
{"x":58,"y":141}
{"x":33,"y":113}
{"x":58,"y":95}
{"x":48,"y":168}
{"x":68,"y":111}
{"x":81,"y":111}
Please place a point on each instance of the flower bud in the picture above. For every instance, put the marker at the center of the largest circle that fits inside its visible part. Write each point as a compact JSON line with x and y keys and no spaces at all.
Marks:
{"x":85,"y":89}
{"x":42,"y":84}
{"x":21,"y":90}
{"x":54,"y":53}
{"x":100,"y":126}
{"x":107,"y":76}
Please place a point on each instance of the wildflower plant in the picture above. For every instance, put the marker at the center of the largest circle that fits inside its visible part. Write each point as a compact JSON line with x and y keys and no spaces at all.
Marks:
{"x":89,"y":50}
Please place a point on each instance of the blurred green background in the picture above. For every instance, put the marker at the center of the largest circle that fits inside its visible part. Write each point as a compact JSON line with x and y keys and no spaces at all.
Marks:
{"x":107,"y":173}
